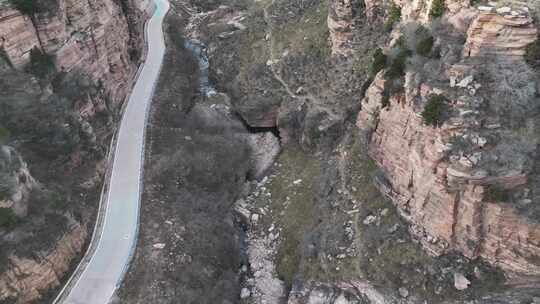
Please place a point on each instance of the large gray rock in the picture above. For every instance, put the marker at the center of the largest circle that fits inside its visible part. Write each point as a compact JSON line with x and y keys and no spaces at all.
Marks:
{"x":16,"y":182}
{"x":265,"y":148}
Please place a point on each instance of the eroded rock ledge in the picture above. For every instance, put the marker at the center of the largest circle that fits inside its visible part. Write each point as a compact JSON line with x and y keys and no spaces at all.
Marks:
{"x":444,"y":190}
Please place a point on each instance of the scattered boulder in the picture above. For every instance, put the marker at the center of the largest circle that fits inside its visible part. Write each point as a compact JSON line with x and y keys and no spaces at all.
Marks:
{"x":403,"y":292}
{"x":245,"y":293}
{"x":370,"y":219}
{"x":255,"y":218}
{"x":465,"y":82}
{"x":159,"y":246}
{"x":460,"y":281}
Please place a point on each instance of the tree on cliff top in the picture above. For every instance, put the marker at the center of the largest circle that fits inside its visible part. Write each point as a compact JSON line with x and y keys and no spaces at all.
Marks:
{"x":394,"y":15}
{"x":27,"y":7}
{"x":30,"y":7}
{"x":437,"y":8}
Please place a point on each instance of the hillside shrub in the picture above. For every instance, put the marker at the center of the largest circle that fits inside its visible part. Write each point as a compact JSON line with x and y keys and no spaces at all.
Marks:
{"x":8,"y":219}
{"x":433,"y":113}
{"x":27,"y":7}
{"x":398,"y":64}
{"x":513,"y":88}
{"x":461,"y":144}
{"x":31,"y":7}
{"x":41,"y":64}
{"x":394,"y":15}
{"x":424,"y":46}
{"x":379,"y":61}
{"x":495,"y":193}
{"x":532,"y":54}
{"x":437,"y":8}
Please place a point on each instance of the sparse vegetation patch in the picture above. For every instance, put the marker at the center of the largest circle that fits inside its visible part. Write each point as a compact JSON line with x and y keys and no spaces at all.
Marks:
{"x":31,"y":7}
{"x":41,"y":63}
{"x":299,"y":215}
{"x":495,"y":193}
{"x":398,"y":64}
{"x":394,"y":15}
{"x":27,"y":7}
{"x":379,"y":61}
{"x":437,"y":8}
{"x":309,"y":35}
{"x":8,"y":219}
{"x":424,"y":46}
{"x":434,"y":110}
{"x":532,"y":55}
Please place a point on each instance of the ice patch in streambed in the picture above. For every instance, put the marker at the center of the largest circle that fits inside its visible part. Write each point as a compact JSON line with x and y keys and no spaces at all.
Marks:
{"x":199,"y":50}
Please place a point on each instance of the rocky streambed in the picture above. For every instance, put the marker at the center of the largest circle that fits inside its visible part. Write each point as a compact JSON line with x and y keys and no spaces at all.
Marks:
{"x":199,"y":51}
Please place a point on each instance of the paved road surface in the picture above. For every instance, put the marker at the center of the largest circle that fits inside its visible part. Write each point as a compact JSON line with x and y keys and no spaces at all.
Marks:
{"x":105,"y":270}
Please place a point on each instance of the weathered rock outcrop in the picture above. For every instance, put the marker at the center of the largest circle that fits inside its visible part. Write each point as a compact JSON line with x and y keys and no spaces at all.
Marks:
{"x":16,"y":182}
{"x":356,"y":292}
{"x":492,"y":33}
{"x":442,"y":178}
{"x":264,"y":150}
{"x":26,"y":279}
{"x":340,"y":24}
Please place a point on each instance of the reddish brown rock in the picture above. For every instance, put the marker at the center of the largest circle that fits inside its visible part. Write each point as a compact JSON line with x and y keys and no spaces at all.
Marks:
{"x":340,"y":22}
{"x":26,"y":279}
{"x":441,"y":193}
{"x":501,"y":35}
{"x":18,"y":36}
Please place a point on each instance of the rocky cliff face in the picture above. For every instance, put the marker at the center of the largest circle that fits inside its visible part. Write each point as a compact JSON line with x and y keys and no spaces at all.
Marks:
{"x":65,"y":70}
{"x":78,"y":35}
{"x":468,"y":183}
{"x":500,"y":33}
{"x":27,"y":278}
{"x":16,"y":181}
{"x":340,"y":25}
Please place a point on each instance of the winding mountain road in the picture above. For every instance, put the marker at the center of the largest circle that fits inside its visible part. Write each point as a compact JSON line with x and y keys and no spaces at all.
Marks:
{"x":97,"y":278}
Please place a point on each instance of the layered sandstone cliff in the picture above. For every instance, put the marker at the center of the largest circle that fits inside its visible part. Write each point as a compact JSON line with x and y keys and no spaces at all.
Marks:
{"x":340,"y":25}
{"x":443,"y":178}
{"x":61,"y":122}
{"x":98,"y":38}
